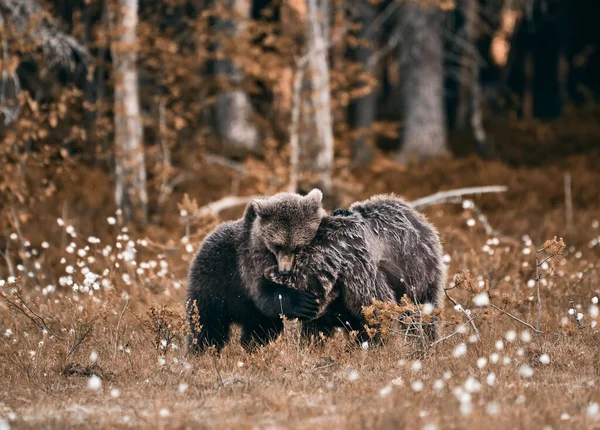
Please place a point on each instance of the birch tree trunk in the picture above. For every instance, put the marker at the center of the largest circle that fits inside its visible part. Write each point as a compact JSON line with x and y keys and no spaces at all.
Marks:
{"x":233,"y":108}
{"x":316,"y":147}
{"x":130,"y":170}
{"x":424,"y":133}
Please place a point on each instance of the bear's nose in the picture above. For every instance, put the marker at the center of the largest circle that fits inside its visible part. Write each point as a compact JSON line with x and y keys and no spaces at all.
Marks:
{"x":285,"y":272}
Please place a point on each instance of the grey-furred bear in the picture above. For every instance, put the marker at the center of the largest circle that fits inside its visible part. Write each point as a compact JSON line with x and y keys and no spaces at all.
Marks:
{"x":381,"y":249}
{"x":226,"y":282}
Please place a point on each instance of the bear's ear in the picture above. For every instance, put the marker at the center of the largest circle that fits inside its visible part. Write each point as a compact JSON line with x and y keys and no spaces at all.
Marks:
{"x":259,"y":206}
{"x":314,"y":197}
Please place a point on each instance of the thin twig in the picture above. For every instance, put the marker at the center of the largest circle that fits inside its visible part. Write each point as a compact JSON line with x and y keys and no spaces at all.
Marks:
{"x":453,"y":333}
{"x":537,"y":287}
{"x":576,"y":315}
{"x":443,"y":196}
{"x":515,"y":318}
{"x":119,"y":324}
{"x":456,"y":304}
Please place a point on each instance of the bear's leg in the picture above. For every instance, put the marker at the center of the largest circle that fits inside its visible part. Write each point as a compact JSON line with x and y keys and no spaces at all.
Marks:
{"x":260,"y":332}
{"x":324,"y":325}
{"x":212,"y":329}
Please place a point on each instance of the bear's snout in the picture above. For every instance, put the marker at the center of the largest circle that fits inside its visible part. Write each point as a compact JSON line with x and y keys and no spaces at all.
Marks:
{"x":285,"y":263}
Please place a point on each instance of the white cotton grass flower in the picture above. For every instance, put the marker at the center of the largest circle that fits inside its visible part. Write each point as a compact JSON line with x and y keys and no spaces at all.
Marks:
{"x":525,"y":336}
{"x":365,"y":345}
{"x":164,"y":412}
{"x":111,"y":220}
{"x":544,"y":359}
{"x":565,"y":416}
{"x":595,"y":300}
{"x":490,"y":379}
{"x":510,"y":336}
{"x":481,"y":362}
{"x":353,"y":375}
{"x":417,"y":386}
{"x":385,"y":391}
{"x":115,"y":393}
{"x":493,"y":408}
{"x":526,"y":371}
{"x":94,"y":383}
{"x":93,"y":356}
{"x":416,"y":366}
{"x":398,"y":382}
{"x":427,"y":308}
{"x":459,"y":350}
{"x":472,"y":385}
{"x":494,"y":357}
{"x":430,"y":426}
{"x":4,"y":425}
{"x":531,"y":283}
{"x":593,"y":311}
{"x":593,"y":410}
{"x":471,"y":222}
{"x":182,"y":388}
{"x":499,"y":345}
{"x":438,"y":385}
{"x":481,"y":299}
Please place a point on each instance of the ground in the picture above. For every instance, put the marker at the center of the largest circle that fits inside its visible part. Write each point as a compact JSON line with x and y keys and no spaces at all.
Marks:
{"x":103,"y":346}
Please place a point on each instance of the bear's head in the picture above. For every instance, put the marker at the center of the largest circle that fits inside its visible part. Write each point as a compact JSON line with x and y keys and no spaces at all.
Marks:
{"x":287,"y":222}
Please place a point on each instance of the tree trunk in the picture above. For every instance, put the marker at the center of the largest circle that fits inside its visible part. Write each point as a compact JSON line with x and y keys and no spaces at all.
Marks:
{"x":316,"y":147}
{"x":469,"y":99}
{"x":233,"y":109}
{"x":130,"y":170}
{"x":363,"y":110}
{"x":424,"y":131}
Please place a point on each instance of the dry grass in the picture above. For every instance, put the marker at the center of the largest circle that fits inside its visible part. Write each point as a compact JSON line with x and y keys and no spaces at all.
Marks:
{"x":105,"y":347}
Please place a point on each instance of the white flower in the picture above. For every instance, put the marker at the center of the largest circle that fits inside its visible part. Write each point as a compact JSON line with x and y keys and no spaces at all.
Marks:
{"x":565,"y":416}
{"x":459,"y":350}
{"x":491,"y":379}
{"x":93,"y":356}
{"x":531,"y":283}
{"x":593,"y":410}
{"x":526,"y":251}
{"x":94,"y":383}
{"x":525,"y":371}
{"x":499,"y":345}
{"x":467,"y":204}
{"x":417,"y":386}
{"x":510,"y":335}
{"x":472,"y":385}
{"x":595,"y":300}
{"x":494,"y":357}
{"x":353,"y":375}
{"x":398,"y":381}
{"x":481,"y":362}
{"x":60,"y":222}
{"x":416,"y":366}
{"x":365,"y":345}
{"x":114,"y":393}
{"x":45,"y":245}
{"x":481,"y":299}
{"x":111,"y":220}
{"x":525,"y":336}
{"x":182,"y":388}
{"x":164,"y":412}
{"x":492,"y":408}
{"x":385,"y":391}
{"x":427,"y":308}
{"x":544,"y":359}
{"x":438,"y":384}
{"x":470,"y":222}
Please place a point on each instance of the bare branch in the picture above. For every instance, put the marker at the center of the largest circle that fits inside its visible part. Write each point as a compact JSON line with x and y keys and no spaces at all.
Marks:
{"x":444,"y":196}
{"x":515,"y":318}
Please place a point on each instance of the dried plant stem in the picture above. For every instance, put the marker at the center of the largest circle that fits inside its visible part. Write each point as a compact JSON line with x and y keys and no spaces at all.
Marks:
{"x":454,"y":333}
{"x":516,"y":318}
{"x":469,"y":319}
{"x":576,"y":315}
{"x":568,"y":201}
{"x":119,"y":325}
{"x":537,"y":287}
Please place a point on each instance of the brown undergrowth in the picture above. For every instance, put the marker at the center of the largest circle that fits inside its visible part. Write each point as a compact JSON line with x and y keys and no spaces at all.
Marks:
{"x":93,"y":327}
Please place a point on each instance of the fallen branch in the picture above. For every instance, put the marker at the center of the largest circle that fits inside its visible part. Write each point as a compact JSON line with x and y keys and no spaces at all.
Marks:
{"x":515,"y":318}
{"x":444,"y":196}
{"x":215,"y":208}
{"x":460,"y":308}
{"x":454,"y":333}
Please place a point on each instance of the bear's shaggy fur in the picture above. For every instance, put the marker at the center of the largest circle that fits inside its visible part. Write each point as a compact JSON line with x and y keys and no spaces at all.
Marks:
{"x":380,"y":249}
{"x":226,"y":283}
